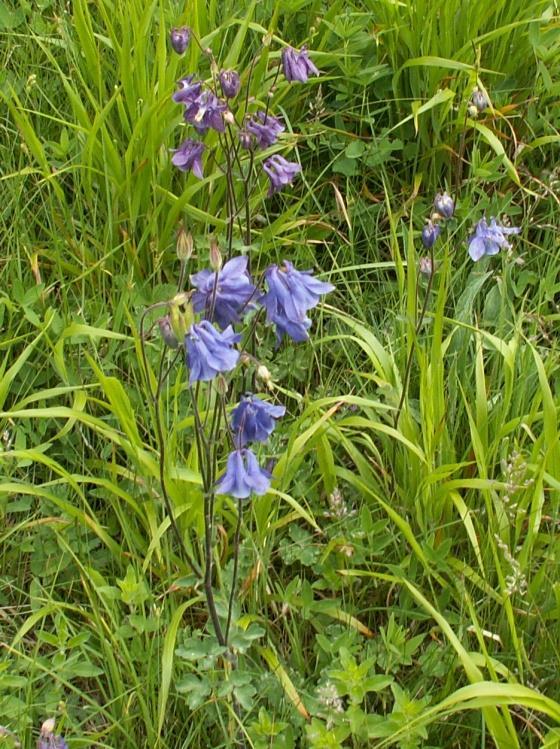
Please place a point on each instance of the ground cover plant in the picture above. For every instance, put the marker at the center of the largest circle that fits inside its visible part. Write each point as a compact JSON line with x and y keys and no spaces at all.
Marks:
{"x":244,"y":504}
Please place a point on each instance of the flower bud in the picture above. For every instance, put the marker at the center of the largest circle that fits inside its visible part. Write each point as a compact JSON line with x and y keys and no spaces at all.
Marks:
{"x":184,"y":245}
{"x":473,"y":111}
{"x":263,"y":373}
{"x":444,"y":205}
{"x":479,"y":100}
{"x":429,"y":234}
{"x":230,"y":83}
{"x":48,"y":727}
{"x":228,"y":117}
{"x":167,"y":333}
{"x":180,"y":39}
{"x":246,"y":140}
{"x":215,"y":256}
{"x":426,"y":266}
{"x":221,"y":384}
{"x":181,"y":316}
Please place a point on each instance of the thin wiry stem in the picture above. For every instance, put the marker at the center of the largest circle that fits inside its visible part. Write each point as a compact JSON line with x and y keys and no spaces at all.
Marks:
{"x":161,"y":442}
{"x":235,"y":566}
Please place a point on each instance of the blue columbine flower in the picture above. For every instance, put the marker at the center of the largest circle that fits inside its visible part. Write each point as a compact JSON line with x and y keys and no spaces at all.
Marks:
{"x":280,"y":172}
{"x":291,"y":293}
{"x":444,"y":205}
{"x":243,"y":476}
{"x":429,"y":234}
{"x":180,"y":39}
{"x":188,"y":157}
{"x":253,"y":420}
{"x":189,"y":89}
{"x":52,"y":742}
{"x":210,"y":352}
{"x":265,"y":128}
{"x":234,"y":291}
{"x":488,"y":240}
{"x":296,"y":65}
{"x":206,"y":111}
{"x":230,"y":83}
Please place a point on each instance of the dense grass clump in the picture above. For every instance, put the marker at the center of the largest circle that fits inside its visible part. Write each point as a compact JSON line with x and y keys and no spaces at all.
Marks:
{"x":399,"y":583}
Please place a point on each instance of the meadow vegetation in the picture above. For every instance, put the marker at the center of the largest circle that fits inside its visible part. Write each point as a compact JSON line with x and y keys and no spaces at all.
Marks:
{"x":399,"y":582}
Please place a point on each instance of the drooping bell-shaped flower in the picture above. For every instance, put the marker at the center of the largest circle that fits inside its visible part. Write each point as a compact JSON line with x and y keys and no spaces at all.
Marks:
{"x":296,"y":65}
{"x":243,"y":476}
{"x":206,"y":111}
{"x":209,"y":351}
{"x":280,"y":172}
{"x":253,"y":420}
{"x":188,"y":157}
{"x":226,"y":294}
{"x":189,"y":89}
{"x":489,"y":239}
{"x":291,"y":293}
{"x":265,"y":128}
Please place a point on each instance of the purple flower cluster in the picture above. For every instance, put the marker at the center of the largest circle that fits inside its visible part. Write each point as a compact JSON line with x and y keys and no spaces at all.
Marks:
{"x":444,"y":208}
{"x":204,"y":111}
{"x":252,"y":420}
{"x":225,"y":294}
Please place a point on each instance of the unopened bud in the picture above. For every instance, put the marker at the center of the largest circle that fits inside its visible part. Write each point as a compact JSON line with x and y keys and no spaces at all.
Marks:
{"x":184,"y":245}
{"x":246,"y":140}
{"x":473,"y":111}
{"x":48,"y":727}
{"x":429,"y":234}
{"x":215,"y":256}
{"x":167,"y":332}
{"x":228,"y":117}
{"x":479,"y":100}
{"x":426,"y":267}
{"x":221,"y":384}
{"x":181,"y":315}
{"x":263,"y":373}
{"x":230,"y":83}
{"x":444,"y":205}
{"x":180,"y":39}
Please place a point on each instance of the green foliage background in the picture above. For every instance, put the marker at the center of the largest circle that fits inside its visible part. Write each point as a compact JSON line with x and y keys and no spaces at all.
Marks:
{"x":412,"y":565}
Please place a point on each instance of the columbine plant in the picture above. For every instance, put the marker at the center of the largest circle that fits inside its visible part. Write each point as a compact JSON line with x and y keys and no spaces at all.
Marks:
{"x":213,"y":323}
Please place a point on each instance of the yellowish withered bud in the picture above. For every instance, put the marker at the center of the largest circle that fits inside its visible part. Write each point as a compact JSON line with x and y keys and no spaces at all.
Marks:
{"x":185,"y":244}
{"x":215,"y":255}
{"x":48,"y":727}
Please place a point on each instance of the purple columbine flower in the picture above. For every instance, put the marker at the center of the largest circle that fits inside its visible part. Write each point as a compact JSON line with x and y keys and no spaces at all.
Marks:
{"x":206,"y":111}
{"x":296,"y":65}
{"x":230,"y":83}
{"x":180,"y":39}
{"x":188,"y":157}
{"x":189,"y":89}
{"x":291,"y":293}
{"x":280,"y":172}
{"x":52,"y":742}
{"x":444,"y":205}
{"x":234,"y":291}
{"x":265,"y":128}
{"x":210,"y":352}
{"x":429,"y":234}
{"x":253,"y":420}
{"x":243,"y":476}
{"x":488,"y":240}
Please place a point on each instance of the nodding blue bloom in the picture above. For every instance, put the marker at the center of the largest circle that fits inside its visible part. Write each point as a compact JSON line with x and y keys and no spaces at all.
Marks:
{"x":429,"y":234}
{"x":206,"y":111}
{"x":188,"y":157}
{"x":444,"y":205}
{"x":296,"y":65}
{"x":488,"y":240}
{"x":180,"y":39}
{"x":234,"y":291}
{"x":265,"y":128}
{"x":243,"y":476}
{"x":280,"y":172}
{"x":230,"y":83}
{"x":209,"y":352}
{"x":253,"y":420}
{"x":188,"y":91}
{"x":291,"y":293}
